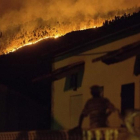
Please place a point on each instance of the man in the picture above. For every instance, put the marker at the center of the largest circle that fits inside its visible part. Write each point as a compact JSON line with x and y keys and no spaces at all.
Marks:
{"x":98,"y":108}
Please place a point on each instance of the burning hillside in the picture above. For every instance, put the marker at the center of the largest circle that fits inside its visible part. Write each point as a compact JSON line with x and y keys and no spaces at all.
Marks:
{"x":24,"y":23}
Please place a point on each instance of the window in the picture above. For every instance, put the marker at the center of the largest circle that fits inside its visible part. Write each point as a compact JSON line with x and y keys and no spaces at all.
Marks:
{"x":137,"y":65}
{"x":127,"y":97}
{"x":74,"y":80}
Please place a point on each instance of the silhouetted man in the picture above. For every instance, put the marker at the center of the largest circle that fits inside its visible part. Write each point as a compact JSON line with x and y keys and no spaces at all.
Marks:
{"x":98,"y":108}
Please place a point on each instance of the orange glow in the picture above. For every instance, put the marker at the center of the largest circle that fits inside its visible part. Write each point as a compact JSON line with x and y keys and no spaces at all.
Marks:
{"x":15,"y":45}
{"x":30,"y":43}
{"x":24,"y":23}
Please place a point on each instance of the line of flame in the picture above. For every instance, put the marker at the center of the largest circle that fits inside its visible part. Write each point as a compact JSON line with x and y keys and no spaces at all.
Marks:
{"x":34,"y":42}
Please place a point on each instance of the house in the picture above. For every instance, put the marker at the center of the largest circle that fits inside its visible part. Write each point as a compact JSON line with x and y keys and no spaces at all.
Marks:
{"x":55,"y":76}
{"x":111,"y":61}
{"x":120,"y":81}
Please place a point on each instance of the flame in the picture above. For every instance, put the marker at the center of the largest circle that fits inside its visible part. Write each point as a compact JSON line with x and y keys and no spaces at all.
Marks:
{"x":29,"y":44}
{"x":26,"y":34}
{"x":52,"y":34}
{"x":24,"y":23}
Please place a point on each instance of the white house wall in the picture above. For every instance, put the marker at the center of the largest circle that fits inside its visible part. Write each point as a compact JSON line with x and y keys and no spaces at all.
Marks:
{"x":112,"y":77}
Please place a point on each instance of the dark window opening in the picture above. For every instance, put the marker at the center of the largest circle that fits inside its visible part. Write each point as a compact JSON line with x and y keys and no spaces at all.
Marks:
{"x":137,"y":65}
{"x":127,"y":97}
{"x":74,"y":80}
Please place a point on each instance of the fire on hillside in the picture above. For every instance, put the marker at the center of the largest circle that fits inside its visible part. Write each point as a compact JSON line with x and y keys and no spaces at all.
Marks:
{"x":16,"y":35}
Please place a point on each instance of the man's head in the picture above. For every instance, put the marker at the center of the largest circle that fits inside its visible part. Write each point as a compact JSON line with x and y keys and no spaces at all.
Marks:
{"x":96,"y":91}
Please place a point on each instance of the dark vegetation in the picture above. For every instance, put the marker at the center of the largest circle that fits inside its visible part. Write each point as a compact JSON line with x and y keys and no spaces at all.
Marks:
{"x":124,"y":21}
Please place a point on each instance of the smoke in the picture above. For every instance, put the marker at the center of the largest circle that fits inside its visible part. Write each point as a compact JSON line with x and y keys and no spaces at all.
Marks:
{"x":25,"y":21}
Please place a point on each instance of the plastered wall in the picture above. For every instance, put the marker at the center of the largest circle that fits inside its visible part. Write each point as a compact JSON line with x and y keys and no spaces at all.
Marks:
{"x":111,"y":77}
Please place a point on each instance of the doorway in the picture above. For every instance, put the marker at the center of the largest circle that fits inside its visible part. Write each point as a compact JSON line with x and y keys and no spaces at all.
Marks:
{"x":75,"y":109}
{"x":127,"y":97}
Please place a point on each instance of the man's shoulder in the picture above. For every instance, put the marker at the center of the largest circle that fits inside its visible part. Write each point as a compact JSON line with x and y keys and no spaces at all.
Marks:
{"x":90,"y":101}
{"x":93,"y":100}
{"x":101,"y":99}
{"x":105,"y":99}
